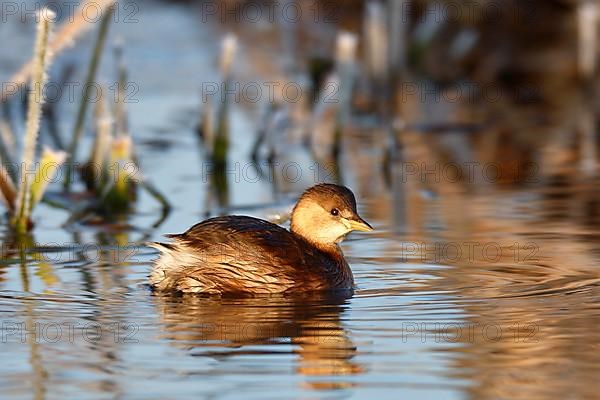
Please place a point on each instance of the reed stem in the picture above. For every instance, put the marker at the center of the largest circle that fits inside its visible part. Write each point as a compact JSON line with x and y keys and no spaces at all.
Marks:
{"x":220,"y":145}
{"x":7,"y":149}
{"x":120,"y":109}
{"x":345,"y":68}
{"x":20,"y":220}
{"x":8,"y":193}
{"x":63,"y":39}
{"x":91,"y":75}
{"x":376,"y":42}
{"x":398,"y":31}
{"x":588,"y":14}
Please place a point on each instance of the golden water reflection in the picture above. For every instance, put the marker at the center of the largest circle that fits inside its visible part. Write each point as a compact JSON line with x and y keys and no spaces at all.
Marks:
{"x":308,"y":327}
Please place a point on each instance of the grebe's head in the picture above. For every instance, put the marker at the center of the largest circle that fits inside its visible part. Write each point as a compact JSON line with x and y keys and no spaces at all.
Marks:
{"x":325,"y":214}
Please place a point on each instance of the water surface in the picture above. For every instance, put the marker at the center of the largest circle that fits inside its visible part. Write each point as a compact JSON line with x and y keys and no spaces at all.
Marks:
{"x":468,"y":288}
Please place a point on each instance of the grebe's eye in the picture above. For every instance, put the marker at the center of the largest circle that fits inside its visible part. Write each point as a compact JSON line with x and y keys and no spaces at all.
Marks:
{"x":335,"y":212}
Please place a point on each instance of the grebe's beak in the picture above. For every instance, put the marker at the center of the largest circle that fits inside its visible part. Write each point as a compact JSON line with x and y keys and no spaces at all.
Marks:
{"x":359,"y":224}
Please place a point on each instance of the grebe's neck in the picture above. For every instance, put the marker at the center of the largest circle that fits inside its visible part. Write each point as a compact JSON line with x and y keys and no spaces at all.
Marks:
{"x":340,"y":274}
{"x":333,"y":250}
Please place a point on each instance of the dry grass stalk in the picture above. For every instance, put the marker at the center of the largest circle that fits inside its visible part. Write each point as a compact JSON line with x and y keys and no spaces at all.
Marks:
{"x":63,"y":39}
{"x":376,"y":41}
{"x":91,"y":76}
{"x":38,"y":79}
{"x":8,"y":192}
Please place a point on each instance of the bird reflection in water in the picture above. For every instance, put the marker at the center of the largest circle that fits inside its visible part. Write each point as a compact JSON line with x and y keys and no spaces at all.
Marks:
{"x":228,"y":327}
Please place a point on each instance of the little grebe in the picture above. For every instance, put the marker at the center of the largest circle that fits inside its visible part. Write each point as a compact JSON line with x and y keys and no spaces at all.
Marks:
{"x":245,"y":255}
